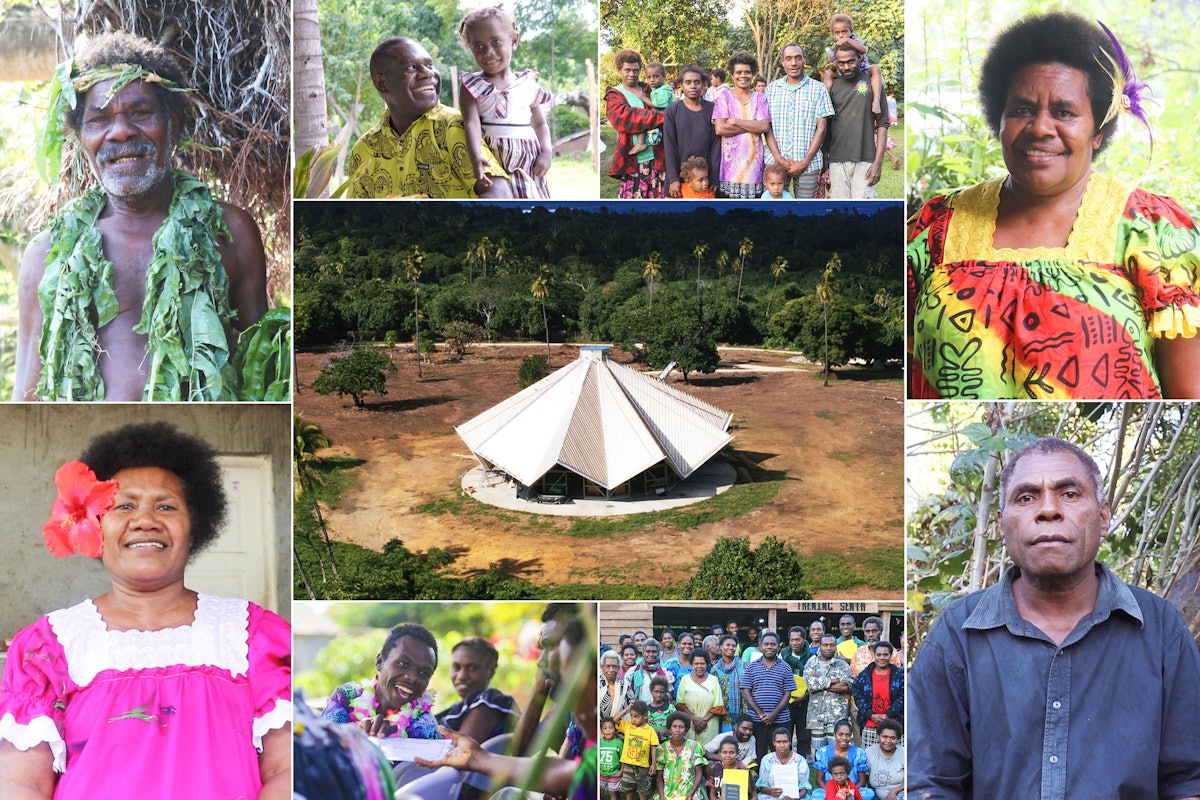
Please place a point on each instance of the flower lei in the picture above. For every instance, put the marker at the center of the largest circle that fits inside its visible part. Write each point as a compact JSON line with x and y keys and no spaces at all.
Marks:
{"x":184,"y":313}
{"x":366,"y":706}
{"x":74,"y":524}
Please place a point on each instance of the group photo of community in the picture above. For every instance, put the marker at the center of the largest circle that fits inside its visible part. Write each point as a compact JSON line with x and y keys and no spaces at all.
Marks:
{"x":764,"y":100}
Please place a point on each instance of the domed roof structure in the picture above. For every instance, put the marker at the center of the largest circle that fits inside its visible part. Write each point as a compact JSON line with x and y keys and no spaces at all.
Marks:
{"x":601,"y":421}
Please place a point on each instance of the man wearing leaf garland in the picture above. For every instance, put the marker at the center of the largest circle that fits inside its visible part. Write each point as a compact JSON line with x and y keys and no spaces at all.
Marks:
{"x":137,"y":289}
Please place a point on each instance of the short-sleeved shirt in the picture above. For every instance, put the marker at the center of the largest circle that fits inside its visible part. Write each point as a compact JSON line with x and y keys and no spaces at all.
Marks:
{"x":747,"y":750}
{"x":1109,"y":713}
{"x":1058,"y":323}
{"x":886,"y":773}
{"x":638,"y":742}
{"x":679,"y":769}
{"x":741,"y":155}
{"x":770,"y":684}
{"x":795,"y":109}
{"x":430,"y":159}
{"x":851,"y":135}
{"x":610,"y":756}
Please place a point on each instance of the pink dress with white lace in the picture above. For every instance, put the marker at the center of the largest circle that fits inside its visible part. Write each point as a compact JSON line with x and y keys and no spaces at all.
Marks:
{"x":146,"y":715}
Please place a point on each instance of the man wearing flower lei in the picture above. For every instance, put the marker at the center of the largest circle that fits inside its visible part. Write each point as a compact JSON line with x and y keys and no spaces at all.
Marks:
{"x":397,"y":704}
{"x":136,"y":290}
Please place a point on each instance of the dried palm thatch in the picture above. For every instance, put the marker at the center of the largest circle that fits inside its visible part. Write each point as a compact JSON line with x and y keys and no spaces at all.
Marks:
{"x":235,"y":54}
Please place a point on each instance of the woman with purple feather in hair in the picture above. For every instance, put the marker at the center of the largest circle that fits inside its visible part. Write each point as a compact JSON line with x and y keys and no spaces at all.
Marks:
{"x":1055,"y":281}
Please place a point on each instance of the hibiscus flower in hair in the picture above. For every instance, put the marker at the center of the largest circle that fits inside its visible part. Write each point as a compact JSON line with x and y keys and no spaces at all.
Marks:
{"x":74,"y":525}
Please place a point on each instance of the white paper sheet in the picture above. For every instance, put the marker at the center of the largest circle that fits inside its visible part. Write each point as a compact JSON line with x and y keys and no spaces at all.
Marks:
{"x":407,"y":749}
{"x":788,"y":780}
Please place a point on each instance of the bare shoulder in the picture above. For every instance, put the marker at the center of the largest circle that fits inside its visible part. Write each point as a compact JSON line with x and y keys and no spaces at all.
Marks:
{"x":241,"y":225}
{"x":246,"y":265}
{"x":33,"y":262}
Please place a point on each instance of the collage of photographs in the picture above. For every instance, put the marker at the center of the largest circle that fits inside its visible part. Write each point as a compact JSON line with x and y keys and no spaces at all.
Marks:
{"x":376,"y":456}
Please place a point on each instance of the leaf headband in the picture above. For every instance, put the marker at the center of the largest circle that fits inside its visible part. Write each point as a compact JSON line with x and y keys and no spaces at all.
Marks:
{"x":64,"y":97}
{"x":1128,"y":91}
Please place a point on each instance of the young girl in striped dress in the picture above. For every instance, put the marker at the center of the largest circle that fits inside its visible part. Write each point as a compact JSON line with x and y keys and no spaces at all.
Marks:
{"x":503,"y":105}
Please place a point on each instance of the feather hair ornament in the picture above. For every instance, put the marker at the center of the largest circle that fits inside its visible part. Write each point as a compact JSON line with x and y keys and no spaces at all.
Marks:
{"x":1128,"y":91}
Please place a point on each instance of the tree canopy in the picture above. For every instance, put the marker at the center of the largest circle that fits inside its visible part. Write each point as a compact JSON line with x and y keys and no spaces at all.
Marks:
{"x":350,"y":278}
{"x":356,"y":374}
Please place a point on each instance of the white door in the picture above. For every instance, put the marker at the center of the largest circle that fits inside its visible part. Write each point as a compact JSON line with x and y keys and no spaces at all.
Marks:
{"x":241,"y":562}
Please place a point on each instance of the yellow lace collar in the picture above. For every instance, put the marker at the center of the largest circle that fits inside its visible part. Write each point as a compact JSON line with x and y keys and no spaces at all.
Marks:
{"x":969,"y":237}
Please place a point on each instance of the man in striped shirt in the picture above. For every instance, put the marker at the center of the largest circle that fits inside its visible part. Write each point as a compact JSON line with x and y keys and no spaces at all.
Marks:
{"x":766,"y":688}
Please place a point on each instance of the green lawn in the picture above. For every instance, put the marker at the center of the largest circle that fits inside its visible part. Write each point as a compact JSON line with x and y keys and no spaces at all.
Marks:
{"x":890,"y":186}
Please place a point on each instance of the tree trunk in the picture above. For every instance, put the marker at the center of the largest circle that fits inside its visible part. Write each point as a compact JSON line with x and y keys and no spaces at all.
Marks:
{"x":303,"y":576}
{"x":308,"y":76}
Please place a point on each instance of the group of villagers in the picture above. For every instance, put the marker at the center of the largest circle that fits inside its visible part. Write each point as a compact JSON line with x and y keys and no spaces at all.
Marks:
{"x":489,"y":733}
{"x":710,"y":134}
{"x":693,"y":714}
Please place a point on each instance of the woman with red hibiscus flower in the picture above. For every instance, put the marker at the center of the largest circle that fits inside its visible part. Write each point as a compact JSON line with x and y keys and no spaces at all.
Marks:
{"x":150,"y":690}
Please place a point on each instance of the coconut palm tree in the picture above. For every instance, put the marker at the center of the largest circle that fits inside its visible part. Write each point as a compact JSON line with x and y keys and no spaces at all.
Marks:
{"x":826,"y":292}
{"x":413,"y":266}
{"x":483,"y":250}
{"x":778,"y":269}
{"x":540,"y":289}
{"x":652,"y":273}
{"x":306,"y":475}
{"x":747,"y":247}
{"x":698,"y":251}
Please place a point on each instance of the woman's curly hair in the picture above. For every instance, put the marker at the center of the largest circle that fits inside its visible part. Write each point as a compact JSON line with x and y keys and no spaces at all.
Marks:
{"x":159,"y":444}
{"x":1058,"y":37}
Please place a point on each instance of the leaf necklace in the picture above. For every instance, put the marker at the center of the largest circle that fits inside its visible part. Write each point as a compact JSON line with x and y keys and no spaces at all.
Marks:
{"x":183,"y":315}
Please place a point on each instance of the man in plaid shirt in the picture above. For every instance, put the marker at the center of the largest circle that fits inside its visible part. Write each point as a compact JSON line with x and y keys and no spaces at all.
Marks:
{"x":799,"y":107}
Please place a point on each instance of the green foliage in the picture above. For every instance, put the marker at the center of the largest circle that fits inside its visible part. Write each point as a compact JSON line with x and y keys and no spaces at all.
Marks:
{"x":356,"y":374}
{"x":734,"y":570}
{"x":391,"y":337}
{"x":673,"y":323}
{"x":262,"y":362}
{"x":800,"y":325}
{"x":950,"y":145}
{"x":532,"y":370}
{"x":677,"y":32}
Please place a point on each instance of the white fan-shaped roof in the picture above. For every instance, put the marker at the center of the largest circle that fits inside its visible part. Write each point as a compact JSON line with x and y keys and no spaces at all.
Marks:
{"x":599,"y":419}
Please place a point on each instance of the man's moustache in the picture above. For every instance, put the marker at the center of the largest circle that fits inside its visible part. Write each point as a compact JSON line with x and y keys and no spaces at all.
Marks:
{"x":112,"y":152}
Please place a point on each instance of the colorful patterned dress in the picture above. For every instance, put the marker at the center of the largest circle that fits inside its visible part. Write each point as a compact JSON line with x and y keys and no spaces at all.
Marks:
{"x":506,"y":116}
{"x":145,"y":715}
{"x":1077,"y":322}
{"x":742,"y":155}
{"x":679,"y":769}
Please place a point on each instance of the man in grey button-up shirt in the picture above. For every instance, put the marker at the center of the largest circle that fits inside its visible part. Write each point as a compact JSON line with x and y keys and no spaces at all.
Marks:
{"x":1060,"y":681}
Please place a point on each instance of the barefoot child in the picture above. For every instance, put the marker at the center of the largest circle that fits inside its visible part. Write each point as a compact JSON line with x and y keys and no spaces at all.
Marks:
{"x":774,"y":179}
{"x":503,"y":104}
{"x":694,"y":174}
{"x":609,"y":759}
{"x":639,"y":755}
{"x":842,"y":28}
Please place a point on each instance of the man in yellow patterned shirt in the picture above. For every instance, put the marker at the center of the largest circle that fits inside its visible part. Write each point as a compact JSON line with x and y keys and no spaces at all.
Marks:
{"x":419,"y":148}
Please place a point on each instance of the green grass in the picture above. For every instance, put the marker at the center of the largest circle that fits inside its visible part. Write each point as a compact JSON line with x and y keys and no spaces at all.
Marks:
{"x":571,"y":177}
{"x":609,"y":186}
{"x":881,"y":568}
{"x":737,"y":500}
